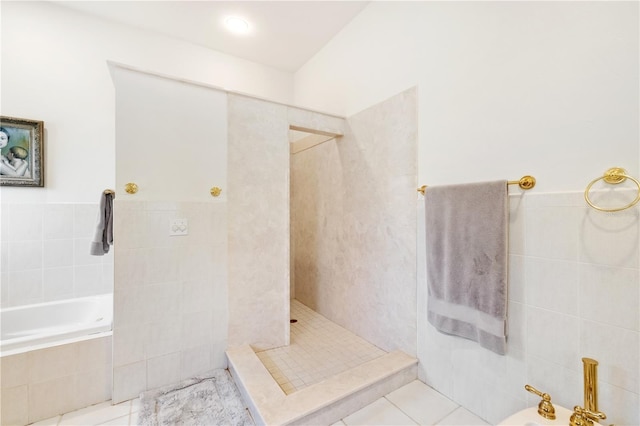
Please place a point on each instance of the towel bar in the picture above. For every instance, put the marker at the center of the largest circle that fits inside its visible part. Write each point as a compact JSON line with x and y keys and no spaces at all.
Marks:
{"x":526,"y":182}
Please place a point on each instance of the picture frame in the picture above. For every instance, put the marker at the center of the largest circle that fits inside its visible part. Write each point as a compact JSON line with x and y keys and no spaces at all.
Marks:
{"x":21,"y":152}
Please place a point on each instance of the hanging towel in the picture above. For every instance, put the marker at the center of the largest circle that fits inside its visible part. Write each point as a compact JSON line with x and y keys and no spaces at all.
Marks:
{"x":467,"y":240}
{"x":103,"y":237}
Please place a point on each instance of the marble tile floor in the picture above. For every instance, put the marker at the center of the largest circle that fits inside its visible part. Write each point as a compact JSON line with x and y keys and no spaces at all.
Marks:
{"x":412,"y":404}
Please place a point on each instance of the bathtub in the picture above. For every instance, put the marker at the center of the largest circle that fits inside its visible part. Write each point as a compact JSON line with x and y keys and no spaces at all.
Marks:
{"x":31,"y":327}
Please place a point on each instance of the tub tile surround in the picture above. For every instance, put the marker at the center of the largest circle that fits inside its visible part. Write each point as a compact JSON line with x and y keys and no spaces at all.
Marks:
{"x":170,"y":299}
{"x":353,"y":224}
{"x":574,"y":291}
{"x":45,"y":254}
{"x":39,"y":384}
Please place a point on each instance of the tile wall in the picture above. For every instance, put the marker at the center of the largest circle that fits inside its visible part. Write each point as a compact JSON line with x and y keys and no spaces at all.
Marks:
{"x":170,"y":298}
{"x":44,"y":383}
{"x":574,"y":291}
{"x":258,"y":194}
{"x":354,"y":225}
{"x":259,"y":232}
{"x":45,"y":253}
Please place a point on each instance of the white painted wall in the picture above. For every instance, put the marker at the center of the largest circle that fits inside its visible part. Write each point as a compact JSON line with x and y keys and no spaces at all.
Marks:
{"x":505,"y":88}
{"x":171,"y":138}
{"x":54,"y":68}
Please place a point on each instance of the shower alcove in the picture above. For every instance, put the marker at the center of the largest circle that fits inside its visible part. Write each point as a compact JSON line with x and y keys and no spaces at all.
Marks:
{"x":222,"y":296}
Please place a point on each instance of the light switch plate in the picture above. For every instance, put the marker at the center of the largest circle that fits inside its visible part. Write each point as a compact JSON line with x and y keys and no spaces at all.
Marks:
{"x":179,"y":227}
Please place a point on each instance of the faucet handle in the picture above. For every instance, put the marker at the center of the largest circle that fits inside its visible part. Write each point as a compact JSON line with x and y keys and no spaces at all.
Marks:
{"x":583,"y":417}
{"x":545,"y":408}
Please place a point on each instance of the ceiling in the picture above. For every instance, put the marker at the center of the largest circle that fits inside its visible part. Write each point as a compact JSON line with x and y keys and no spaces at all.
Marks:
{"x":283,"y":35}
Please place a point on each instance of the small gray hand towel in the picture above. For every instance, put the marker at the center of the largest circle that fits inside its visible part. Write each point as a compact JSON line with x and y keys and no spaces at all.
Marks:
{"x":467,"y":243}
{"x":103,"y":236}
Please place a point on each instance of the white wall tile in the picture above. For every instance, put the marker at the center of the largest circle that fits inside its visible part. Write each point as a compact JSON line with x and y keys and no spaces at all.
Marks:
{"x":552,"y":233}
{"x":610,"y":295}
{"x":617,"y":350}
{"x":25,"y":222}
{"x":163,"y":370}
{"x":564,"y":385}
{"x":25,"y":255}
{"x":129,"y":344}
{"x":93,"y":387}
{"x":610,"y":238}
{"x":25,"y":287}
{"x":128,"y":381}
{"x":620,"y":406}
{"x":553,"y":336}
{"x":195,"y":361}
{"x":552,"y":284}
{"x":58,"y":253}
{"x":163,"y":337}
{"x":88,"y":280}
{"x":58,"y":221}
{"x":85,"y":218}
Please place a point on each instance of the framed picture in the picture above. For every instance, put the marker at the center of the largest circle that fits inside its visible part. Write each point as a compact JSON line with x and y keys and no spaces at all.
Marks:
{"x":21,"y":150}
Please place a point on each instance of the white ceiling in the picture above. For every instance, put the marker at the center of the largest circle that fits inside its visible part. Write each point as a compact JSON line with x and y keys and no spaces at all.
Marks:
{"x":284,"y":34}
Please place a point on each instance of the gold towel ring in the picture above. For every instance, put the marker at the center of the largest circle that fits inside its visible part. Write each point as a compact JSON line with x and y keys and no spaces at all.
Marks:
{"x":614,"y":176}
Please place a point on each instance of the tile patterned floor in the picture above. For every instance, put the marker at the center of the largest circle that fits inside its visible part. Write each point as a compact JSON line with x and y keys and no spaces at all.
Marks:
{"x":412,"y":404}
{"x":318,"y":349}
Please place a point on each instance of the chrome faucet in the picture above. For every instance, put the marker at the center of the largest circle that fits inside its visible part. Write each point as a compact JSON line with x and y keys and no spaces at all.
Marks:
{"x":584,"y":416}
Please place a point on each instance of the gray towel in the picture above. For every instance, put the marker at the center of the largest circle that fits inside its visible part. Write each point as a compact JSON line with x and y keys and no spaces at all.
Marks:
{"x":467,"y":239}
{"x":103,"y":236}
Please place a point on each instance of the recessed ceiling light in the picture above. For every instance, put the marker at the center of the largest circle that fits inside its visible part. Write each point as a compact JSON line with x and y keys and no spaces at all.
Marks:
{"x":236,"y":25}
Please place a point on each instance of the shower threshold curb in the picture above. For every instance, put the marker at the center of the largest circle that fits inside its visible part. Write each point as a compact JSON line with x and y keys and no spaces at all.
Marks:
{"x":322,"y":403}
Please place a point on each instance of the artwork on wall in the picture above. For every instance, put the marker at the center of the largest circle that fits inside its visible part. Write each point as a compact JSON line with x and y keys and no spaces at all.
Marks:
{"x":21,"y":152}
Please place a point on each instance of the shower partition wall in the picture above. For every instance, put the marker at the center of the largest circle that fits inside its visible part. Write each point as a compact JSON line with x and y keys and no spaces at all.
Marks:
{"x":170,"y":291}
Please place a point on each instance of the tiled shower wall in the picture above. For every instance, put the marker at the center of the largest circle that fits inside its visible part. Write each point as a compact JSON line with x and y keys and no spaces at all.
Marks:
{"x":45,"y":253}
{"x":354,"y":225}
{"x":259,"y":233}
{"x":574,"y":291}
{"x":170,"y":298}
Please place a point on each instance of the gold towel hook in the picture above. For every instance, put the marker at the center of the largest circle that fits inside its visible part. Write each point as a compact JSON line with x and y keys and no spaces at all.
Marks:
{"x":131,"y":188}
{"x":613,"y":176}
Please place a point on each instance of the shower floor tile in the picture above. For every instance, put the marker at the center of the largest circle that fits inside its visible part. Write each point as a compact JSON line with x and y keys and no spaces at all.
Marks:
{"x":318,"y":349}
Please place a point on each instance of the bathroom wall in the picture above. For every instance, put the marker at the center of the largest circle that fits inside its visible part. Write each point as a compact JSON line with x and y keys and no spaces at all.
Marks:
{"x":507,"y":89}
{"x":574,"y":291}
{"x":45,"y":253}
{"x":259,"y":223}
{"x":353,"y":224}
{"x":67,"y":84}
{"x":504,"y":88}
{"x":170,"y":298}
{"x":259,"y":217}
